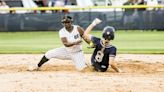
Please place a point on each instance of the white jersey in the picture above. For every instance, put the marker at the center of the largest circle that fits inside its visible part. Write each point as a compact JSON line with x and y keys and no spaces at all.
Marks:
{"x":73,"y":36}
{"x":74,"y":53}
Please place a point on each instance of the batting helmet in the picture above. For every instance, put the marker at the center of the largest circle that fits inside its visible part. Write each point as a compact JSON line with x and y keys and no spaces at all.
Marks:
{"x":67,"y":18}
{"x":108,"y":33}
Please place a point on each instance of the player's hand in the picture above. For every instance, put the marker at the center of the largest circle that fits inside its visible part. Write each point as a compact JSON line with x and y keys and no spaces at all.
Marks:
{"x":96,"y":21}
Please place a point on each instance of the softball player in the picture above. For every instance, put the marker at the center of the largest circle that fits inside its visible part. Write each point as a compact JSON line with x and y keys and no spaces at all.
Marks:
{"x":71,"y":37}
{"x":104,"y":53}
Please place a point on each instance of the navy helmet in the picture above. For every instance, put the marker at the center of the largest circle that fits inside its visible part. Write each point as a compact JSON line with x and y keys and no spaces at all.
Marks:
{"x":108,"y":33}
{"x":67,"y":19}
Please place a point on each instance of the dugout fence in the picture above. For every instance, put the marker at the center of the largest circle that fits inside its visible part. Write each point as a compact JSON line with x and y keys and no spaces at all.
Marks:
{"x":134,"y":19}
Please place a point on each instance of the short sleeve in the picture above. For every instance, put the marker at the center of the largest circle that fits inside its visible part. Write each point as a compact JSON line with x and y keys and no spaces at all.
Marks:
{"x":95,"y":40}
{"x":113,"y":51}
{"x":62,"y":33}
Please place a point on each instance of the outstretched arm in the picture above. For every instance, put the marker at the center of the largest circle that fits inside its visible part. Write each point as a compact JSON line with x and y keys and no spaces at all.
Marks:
{"x":113,"y":64}
{"x":81,"y":31}
{"x":86,"y":34}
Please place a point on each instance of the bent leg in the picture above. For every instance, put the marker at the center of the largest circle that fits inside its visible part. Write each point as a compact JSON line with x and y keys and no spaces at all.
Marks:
{"x":79,"y":60}
{"x":59,"y":53}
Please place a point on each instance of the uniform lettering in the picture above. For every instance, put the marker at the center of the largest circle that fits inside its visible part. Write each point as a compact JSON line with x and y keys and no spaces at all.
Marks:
{"x":76,"y":36}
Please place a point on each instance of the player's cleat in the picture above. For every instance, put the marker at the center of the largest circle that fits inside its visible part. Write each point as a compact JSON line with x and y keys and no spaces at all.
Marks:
{"x":33,"y":68}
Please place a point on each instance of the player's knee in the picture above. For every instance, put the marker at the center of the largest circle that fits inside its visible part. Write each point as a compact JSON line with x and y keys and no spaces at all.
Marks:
{"x":81,"y":68}
{"x":86,"y":69}
{"x":49,"y":54}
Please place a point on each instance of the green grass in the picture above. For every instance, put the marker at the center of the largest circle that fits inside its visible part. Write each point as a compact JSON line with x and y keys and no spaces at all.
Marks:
{"x":149,"y":42}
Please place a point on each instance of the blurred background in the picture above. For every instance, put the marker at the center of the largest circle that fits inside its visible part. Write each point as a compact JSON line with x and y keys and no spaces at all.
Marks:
{"x":45,"y":15}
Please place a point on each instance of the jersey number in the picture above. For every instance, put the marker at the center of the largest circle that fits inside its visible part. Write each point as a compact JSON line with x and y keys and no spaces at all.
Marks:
{"x":99,"y":56}
{"x":76,"y":36}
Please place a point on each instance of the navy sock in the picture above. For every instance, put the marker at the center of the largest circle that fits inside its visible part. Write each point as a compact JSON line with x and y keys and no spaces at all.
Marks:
{"x":42,"y":61}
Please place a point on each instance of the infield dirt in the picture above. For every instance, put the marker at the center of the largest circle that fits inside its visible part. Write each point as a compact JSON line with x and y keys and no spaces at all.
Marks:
{"x":141,"y":73}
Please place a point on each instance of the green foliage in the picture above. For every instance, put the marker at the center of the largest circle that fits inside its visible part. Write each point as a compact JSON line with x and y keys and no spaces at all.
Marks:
{"x":149,"y":42}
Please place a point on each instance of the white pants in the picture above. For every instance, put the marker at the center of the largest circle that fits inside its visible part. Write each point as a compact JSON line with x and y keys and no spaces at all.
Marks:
{"x":61,"y":53}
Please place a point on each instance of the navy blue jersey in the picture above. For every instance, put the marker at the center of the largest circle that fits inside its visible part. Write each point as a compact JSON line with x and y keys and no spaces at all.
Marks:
{"x":100,"y":56}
